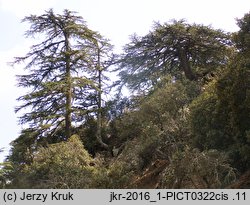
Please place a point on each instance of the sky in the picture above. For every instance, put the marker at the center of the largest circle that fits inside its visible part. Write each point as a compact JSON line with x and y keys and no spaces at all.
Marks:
{"x":115,"y":19}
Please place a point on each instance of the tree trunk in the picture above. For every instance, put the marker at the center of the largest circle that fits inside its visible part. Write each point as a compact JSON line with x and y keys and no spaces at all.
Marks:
{"x":99,"y":102}
{"x":68,"y":120}
{"x":185,"y":65}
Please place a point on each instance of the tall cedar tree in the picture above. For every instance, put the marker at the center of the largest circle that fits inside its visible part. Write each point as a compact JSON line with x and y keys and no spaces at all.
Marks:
{"x":177,"y":49}
{"x":62,"y":73}
{"x":104,"y":58}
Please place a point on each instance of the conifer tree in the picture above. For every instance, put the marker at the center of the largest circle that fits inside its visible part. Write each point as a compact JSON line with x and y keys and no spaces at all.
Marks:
{"x":178,"y":49}
{"x":61,"y":74}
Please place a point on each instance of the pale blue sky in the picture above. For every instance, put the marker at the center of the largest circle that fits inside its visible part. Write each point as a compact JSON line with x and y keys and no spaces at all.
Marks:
{"x":115,"y":19}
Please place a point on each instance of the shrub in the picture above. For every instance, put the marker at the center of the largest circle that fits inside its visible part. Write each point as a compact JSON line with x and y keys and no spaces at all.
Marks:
{"x":191,"y":168}
{"x":61,"y":165}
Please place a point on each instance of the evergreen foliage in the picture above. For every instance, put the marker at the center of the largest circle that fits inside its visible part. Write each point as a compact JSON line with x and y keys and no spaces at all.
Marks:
{"x":62,"y":74}
{"x":186,"y":126}
{"x":175,"y":48}
{"x":220,"y":116}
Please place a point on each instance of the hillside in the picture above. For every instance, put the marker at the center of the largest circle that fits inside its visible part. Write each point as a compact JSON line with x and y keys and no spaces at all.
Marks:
{"x":184,"y":124}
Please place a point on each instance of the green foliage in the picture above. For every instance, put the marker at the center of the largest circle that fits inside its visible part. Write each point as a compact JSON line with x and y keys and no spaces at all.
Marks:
{"x":220,"y":116}
{"x":161,"y":107}
{"x":242,"y":37}
{"x":69,"y":165}
{"x":63,"y":72}
{"x":208,"y":132}
{"x":23,"y":147}
{"x":164,"y":105}
{"x":87,"y":133}
{"x":158,"y":124}
{"x":5,"y":170}
{"x":61,"y":165}
{"x":191,"y":168}
{"x":174,"y":49}
{"x":234,"y":95}
{"x":116,"y":176}
{"x":190,"y":112}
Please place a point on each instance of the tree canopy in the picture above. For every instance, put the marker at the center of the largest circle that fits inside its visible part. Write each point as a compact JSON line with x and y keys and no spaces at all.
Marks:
{"x":175,"y":48}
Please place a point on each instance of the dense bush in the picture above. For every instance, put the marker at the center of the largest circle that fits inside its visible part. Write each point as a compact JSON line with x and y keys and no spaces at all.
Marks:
{"x":220,"y":116}
{"x":191,"y":168}
{"x":61,"y":165}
